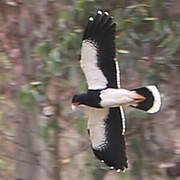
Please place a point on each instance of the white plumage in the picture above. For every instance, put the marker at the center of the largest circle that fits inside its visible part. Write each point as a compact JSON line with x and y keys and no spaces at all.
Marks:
{"x":96,"y":126}
{"x":157,"y":99}
{"x":105,"y":97}
{"x":117,"y":97}
{"x":95,"y":77}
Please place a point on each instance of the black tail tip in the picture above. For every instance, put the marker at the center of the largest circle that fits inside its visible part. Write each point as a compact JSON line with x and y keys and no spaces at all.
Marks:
{"x":152,"y":102}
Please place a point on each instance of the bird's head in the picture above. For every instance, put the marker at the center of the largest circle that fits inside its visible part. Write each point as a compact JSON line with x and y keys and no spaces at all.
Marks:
{"x":76,"y":101}
{"x":86,"y":99}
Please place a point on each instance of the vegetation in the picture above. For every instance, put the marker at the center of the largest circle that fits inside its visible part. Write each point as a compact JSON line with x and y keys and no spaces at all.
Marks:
{"x":41,"y":138}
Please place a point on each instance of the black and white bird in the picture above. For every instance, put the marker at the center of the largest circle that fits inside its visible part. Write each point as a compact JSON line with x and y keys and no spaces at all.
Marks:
{"x":105,"y":98}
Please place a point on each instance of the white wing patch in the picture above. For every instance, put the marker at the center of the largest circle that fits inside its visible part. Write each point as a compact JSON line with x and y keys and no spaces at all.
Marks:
{"x":96,"y":126}
{"x":94,"y":75}
{"x":119,"y":86}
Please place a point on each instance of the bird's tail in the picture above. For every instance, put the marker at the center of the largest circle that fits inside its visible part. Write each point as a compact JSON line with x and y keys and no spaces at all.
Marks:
{"x":152,"y":101}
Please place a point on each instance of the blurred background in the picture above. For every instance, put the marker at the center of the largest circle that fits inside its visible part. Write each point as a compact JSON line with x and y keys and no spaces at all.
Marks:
{"x":40,"y":137}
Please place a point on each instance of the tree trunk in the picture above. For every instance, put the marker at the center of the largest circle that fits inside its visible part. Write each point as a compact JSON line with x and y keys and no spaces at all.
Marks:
{"x":26,"y":23}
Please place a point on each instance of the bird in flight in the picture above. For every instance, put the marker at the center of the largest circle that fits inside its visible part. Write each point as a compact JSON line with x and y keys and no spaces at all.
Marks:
{"x":104,"y":98}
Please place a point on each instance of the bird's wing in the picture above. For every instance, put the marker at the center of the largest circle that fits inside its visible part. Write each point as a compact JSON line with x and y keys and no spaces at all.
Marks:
{"x":98,"y":52}
{"x":106,"y":134}
{"x":106,"y":126}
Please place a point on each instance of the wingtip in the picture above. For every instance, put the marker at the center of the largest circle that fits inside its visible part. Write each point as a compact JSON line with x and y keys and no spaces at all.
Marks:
{"x":99,"y":12}
{"x":106,"y":13}
{"x":91,"y":19}
{"x":118,"y":170}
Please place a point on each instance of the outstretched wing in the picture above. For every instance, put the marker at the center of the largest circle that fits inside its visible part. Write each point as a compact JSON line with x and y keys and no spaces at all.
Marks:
{"x":98,"y":52}
{"x":106,"y":134}
{"x":106,"y":126}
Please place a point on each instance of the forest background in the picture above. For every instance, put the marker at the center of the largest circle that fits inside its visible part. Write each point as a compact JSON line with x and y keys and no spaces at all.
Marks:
{"x":40,"y":137}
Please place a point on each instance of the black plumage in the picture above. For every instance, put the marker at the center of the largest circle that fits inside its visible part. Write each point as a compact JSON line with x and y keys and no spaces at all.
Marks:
{"x":101,"y":32}
{"x":105,"y":98}
{"x":114,"y":153}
